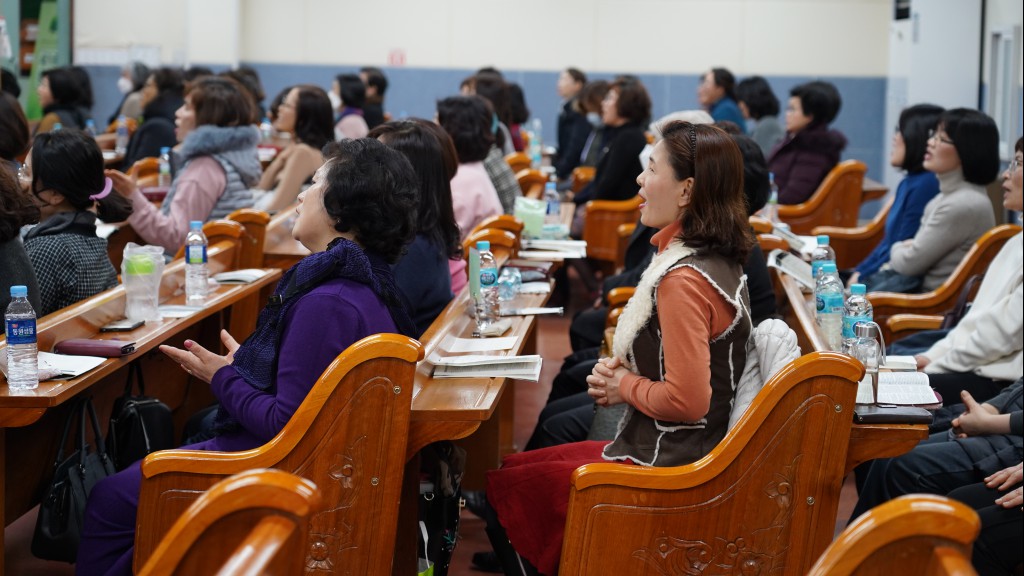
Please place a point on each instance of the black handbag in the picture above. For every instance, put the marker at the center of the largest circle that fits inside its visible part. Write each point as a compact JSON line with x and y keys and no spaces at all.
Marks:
{"x":59,"y":524}
{"x":442,"y":465}
{"x":138,"y":424}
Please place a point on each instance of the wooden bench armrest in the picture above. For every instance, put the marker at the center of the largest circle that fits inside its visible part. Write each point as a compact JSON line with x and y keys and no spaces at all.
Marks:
{"x":581,"y":176}
{"x":761,"y":225}
{"x":769,"y":242}
{"x":617,"y":297}
{"x":614,"y":205}
{"x":626,"y":230}
{"x":900,"y":323}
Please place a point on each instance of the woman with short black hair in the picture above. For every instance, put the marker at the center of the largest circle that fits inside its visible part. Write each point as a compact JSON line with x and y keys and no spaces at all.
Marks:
{"x":909,"y":144}
{"x":69,"y":259}
{"x":349,"y":95}
{"x":162,"y":95}
{"x":305,"y":114}
{"x":810,"y":149}
{"x":717,"y":94}
{"x":66,"y":99}
{"x":16,"y":210}
{"x":14,"y":134}
{"x":468,"y":120}
{"x":758,"y":103}
{"x":355,"y":219}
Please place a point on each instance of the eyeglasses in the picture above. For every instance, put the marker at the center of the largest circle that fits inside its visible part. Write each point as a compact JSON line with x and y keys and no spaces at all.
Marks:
{"x":934,"y":134}
{"x":1015,"y":164}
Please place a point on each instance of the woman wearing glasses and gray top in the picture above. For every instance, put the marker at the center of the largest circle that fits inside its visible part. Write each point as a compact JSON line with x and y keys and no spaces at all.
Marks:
{"x":963,"y":152}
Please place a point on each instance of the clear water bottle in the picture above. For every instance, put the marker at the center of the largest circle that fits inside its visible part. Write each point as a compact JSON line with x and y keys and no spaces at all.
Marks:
{"x":553,"y":212}
{"x":858,"y":309}
{"x":868,"y":350}
{"x":266,"y":130}
{"x":57,"y":127}
{"x":90,"y":127}
{"x":22,"y":354}
{"x":121,"y":135}
{"x":829,"y":305}
{"x":164,"y":176}
{"x":488,"y":307}
{"x":771,"y":209}
{"x":536,"y":147}
{"x":821,"y":254}
{"x":196,"y":273}
{"x":509,"y":282}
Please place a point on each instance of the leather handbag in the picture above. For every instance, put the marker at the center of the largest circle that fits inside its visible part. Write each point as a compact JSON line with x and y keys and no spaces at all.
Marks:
{"x":138,"y":424}
{"x":59,"y":524}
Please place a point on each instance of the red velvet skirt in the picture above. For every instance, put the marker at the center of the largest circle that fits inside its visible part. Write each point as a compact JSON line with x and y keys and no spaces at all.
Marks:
{"x":530,"y":494}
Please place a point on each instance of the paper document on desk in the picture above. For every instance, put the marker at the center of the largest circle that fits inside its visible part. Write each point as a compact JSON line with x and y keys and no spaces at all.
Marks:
{"x":460,"y":345}
{"x":243,"y":276}
{"x":793,"y":266}
{"x":53,"y":366}
{"x":483,"y":366}
{"x":577,"y":247}
{"x":900,"y":363}
{"x":548,"y":255}
{"x":900,"y":388}
{"x":535,"y":288}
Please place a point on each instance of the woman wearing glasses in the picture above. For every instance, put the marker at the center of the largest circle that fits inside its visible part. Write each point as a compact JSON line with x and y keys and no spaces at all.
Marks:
{"x":909,"y":144}
{"x":963,"y":152}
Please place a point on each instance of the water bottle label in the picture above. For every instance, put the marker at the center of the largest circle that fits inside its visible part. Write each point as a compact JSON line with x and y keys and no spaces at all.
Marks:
{"x":828,"y":303}
{"x":816,"y":268}
{"x":850,"y":321}
{"x":195,"y":255}
{"x":21,"y":331}
{"x":488,"y":277}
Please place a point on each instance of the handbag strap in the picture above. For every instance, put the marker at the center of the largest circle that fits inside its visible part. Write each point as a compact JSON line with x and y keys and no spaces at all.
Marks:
{"x":67,"y":431}
{"x":97,"y":434}
{"x":134,"y":375}
{"x":953,"y":317}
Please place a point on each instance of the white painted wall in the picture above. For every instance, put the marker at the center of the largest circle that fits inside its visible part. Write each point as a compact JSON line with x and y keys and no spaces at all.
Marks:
{"x":1002,"y":14}
{"x":772,"y":37}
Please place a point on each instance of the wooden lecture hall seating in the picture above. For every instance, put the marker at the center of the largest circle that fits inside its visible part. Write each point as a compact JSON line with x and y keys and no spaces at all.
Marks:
{"x":348,"y":436}
{"x":912,"y":534}
{"x":532,"y":182}
{"x":501,"y":240}
{"x":250,"y":524}
{"x":836,"y":202}
{"x":852,"y":245}
{"x":518,"y":161}
{"x":941,"y":300}
{"x":601,"y":229}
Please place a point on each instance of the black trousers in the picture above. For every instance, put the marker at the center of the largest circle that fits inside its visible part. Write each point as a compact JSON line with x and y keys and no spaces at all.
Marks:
{"x":997,"y":549}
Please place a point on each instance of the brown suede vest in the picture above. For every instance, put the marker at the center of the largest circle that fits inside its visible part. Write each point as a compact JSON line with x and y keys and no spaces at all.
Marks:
{"x":646,"y":440}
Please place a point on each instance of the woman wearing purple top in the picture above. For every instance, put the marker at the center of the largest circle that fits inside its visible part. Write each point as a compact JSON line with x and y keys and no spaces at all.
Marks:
{"x":356,"y":219}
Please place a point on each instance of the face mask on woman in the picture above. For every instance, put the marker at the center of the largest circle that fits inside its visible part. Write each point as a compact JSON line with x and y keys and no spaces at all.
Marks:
{"x":594,"y":118}
{"x":124,"y":85}
{"x":335,"y":100}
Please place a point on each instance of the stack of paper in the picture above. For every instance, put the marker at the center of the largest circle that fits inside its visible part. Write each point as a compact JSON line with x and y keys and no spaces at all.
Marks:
{"x":54,"y":366}
{"x":548,"y":249}
{"x":243,"y":276}
{"x":900,"y":363}
{"x":483,"y":366}
{"x":793,"y":266}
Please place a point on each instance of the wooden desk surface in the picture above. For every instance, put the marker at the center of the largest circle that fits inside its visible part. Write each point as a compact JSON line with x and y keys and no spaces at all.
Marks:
{"x":24,"y":407}
{"x":867,"y":441}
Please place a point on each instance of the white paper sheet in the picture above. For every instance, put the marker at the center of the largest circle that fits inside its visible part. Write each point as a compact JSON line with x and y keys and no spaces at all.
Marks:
{"x":459,"y":345}
{"x":535,"y":288}
{"x":900,"y":363}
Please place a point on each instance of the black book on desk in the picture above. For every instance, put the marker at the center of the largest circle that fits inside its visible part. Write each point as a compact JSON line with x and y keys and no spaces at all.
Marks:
{"x":888,"y":414}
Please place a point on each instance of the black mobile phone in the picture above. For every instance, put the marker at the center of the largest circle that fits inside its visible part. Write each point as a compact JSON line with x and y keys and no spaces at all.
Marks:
{"x":122,"y":325}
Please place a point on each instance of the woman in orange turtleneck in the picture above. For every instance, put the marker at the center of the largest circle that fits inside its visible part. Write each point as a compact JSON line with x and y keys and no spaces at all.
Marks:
{"x":679,"y":346}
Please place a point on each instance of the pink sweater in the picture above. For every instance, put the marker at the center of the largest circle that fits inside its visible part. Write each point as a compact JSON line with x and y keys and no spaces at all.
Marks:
{"x":199,"y":188}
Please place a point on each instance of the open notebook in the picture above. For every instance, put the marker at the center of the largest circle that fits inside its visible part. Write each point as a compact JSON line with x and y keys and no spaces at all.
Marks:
{"x":899,"y":388}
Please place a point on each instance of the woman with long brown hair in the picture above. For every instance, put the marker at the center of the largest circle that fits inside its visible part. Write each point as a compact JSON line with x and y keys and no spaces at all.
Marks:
{"x":676,"y":370}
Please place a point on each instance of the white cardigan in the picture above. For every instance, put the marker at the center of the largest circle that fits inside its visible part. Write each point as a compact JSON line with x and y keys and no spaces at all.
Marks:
{"x":989,"y":341}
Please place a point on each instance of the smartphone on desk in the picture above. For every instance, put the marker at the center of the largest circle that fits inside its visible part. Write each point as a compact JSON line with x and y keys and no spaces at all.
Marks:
{"x":122,"y":325}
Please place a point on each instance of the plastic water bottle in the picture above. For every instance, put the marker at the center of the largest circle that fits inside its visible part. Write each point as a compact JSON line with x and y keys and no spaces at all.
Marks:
{"x":771,"y":209}
{"x":121,"y":135}
{"x":554,"y":207}
{"x":90,"y":127}
{"x":828,"y":301}
{"x":57,"y":127}
{"x":488,"y":307}
{"x":196,"y":274}
{"x":266,"y":130}
{"x":22,"y":354}
{"x":164,"y":176}
{"x":823,"y":253}
{"x":536,"y":147}
{"x":858,"y":309}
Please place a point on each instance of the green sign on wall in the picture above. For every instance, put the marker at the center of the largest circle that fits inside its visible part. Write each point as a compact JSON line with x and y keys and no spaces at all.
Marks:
{"x":47,"y":54}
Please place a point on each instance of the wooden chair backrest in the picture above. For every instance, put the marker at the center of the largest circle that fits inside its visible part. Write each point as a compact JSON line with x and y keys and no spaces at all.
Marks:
{"x":763,"y":501}
{"x":617,"y":299}
{"x":253,"y":523}
{"x":348,"y":436}
{"x":518,"y":161}
{"x":502,"y":241}
{"x":912,"y":534}
{"x":502,"y":222}
{"x":581,"y":176}
{"x":600,"y":227}
{"x":217,"y":230}
{"x":254,"y":222}
{"x":532,"y":182}
{"x":761,"y":225}
{"x":941,"y":299}
{"x":852,"y":245}
{"x":836,"y":202}
{"x":146,"y":171}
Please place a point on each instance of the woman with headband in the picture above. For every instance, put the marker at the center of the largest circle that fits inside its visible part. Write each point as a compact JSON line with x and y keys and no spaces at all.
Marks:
{"x":70,"y":261}
{"x":676,"y":370}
